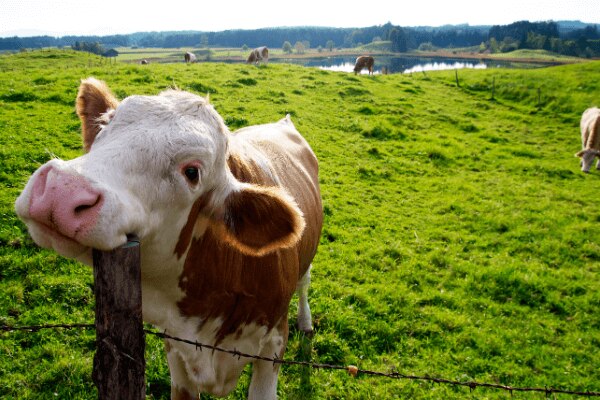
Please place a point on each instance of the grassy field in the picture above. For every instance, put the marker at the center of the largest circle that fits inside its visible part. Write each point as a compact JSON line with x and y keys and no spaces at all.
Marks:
{"x":459,"y":239}
{"x":169,"y":55}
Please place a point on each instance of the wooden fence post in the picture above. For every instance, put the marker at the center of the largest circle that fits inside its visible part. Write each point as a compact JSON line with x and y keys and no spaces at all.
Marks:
{"x":119,"y":364}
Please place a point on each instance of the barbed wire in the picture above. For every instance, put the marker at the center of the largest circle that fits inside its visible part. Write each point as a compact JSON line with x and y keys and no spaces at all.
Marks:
{"x":351,"y":369}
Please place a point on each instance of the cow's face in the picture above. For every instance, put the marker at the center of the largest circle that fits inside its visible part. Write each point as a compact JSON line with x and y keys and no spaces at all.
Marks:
{"x":150,"y":162}
{"x":587,"y":158}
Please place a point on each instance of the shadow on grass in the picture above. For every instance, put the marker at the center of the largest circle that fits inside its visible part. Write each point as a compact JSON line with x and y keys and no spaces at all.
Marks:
{"x":305,"y":389}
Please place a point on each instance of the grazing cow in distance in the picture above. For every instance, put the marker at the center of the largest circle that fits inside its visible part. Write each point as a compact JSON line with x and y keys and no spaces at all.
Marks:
{"x":364,"y":62}
{"x":257,"y":55}
{"x":144,"y":62}
{"x":189,"y":57}
{"x":590,"y":138}
{"x":228,"y":224}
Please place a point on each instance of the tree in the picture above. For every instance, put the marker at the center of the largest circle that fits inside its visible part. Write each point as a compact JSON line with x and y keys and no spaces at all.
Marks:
{"x":536,"y":41}
{"x":204,"y":40}
{"x":399,"y":39}
{"x":95,"y":48}
{"x":300,"y":47}
{"x":287,"y":47}
{"x":245,"y":48}
{"x":330,"y":45}
{"x":494,"y":47}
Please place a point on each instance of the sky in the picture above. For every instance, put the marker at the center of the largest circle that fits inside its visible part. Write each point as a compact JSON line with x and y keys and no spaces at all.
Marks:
{"x":109,"y":17}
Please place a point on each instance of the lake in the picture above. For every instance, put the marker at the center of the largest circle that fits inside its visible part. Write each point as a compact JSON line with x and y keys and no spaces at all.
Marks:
{"x":405,"y":65}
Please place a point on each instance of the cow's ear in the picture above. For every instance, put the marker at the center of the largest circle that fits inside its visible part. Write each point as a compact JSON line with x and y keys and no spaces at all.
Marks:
{"x":259,"y":220}
{"x":93,"y":100}
{"x":579,"y":154}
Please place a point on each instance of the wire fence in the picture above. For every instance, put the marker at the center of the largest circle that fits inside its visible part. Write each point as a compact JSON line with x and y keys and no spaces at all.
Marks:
{"x":351,"y":369}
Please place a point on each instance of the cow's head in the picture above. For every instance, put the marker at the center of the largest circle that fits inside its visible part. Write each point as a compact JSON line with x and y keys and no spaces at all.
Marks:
{"x":150,"y":163}
{"x":587,"y":158}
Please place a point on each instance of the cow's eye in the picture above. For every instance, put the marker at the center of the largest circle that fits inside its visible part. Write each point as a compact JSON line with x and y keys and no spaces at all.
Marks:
{"x":191,"y":173}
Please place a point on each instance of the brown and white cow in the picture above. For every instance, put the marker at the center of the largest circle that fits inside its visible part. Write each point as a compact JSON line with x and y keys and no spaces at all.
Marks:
{"x":189,"y":57}
{"x":363,"y":62}
{"x":228,"y":222}
{"x":590,"y":138}
{"x":257,"y":55}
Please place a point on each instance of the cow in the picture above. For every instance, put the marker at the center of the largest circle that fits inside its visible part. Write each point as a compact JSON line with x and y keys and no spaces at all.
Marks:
{"x":590,"y":138}
{"x":364,"y":62}
{"x":228,"y":224}
{"x":189,"y":57}
{"x":257,"y":55}
{"x":144,"y":62}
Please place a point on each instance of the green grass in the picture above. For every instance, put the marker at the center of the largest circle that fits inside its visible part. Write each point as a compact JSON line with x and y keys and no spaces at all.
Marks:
{"x":459,"y":237}
{"x":531,"y":54}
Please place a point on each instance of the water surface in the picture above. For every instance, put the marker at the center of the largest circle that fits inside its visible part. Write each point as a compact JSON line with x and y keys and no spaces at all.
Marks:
{"x":405,"y":65}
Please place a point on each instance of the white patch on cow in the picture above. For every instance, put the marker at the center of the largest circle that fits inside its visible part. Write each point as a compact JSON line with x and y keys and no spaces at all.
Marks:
{"x":304,"y":315}
{"x":204,"y":370}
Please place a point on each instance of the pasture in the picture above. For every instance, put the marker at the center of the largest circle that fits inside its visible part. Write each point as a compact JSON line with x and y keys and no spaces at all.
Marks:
{"x":459,"y":237}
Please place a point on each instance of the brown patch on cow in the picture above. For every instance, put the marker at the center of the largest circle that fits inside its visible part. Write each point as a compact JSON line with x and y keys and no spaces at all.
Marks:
{"x":258,"y":220}
{"x":248,"y":171}
{"x":93,"y":100}
{"x":221,"y":282}
{"x":186,"y":233}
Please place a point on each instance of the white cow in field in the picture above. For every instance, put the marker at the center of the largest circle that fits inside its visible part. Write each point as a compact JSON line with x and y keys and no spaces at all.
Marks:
{"x":189,"y":57}
{"x":257,"y":55}
{"x":228,"y":224}
{"x":590,"y":138}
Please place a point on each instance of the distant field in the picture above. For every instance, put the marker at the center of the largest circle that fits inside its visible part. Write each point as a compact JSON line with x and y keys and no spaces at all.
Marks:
{"x":536,"y":55}
{"x":162,"y":55}
{"x":523,"y":55}
{"x":460,"y":237}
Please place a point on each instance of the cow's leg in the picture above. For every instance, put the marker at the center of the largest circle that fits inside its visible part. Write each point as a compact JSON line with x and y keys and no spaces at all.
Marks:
{"x":304,"y":316}
{"x":598,"y":164}
{"x":263,"y":384}
{"x":180,"y":383}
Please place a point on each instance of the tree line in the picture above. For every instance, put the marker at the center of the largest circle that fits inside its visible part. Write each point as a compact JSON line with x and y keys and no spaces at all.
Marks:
{"x":582,"y":42}
{"x":571,"y":38}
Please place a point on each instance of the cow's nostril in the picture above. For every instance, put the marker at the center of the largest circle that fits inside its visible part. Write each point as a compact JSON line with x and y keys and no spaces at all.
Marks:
{"x":80,"y":209}
{"x":87,"y":205}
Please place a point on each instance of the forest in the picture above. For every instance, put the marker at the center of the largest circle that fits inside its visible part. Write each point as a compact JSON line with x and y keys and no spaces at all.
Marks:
{"x":571,"y":38}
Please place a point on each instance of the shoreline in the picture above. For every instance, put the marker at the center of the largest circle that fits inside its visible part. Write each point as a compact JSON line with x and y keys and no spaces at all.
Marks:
{"x":559,"y":60}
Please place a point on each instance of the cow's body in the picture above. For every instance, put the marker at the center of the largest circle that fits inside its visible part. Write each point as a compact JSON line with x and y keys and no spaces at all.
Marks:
{"x":257,"y":55}
{"x":228,"y":224}
{"x":189,"y":57}
{"x":363,"y":62}
{"x":590,"y":138}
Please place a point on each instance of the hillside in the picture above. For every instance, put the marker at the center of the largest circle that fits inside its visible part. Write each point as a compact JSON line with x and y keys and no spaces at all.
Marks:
{"x":458,"y":239}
